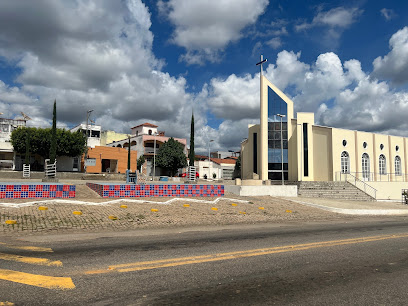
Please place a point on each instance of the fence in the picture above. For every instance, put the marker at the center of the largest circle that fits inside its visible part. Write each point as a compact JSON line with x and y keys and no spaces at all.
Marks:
{"x":50,"y":169}
{"x":26,"y":171}
{"x":376,"y":177}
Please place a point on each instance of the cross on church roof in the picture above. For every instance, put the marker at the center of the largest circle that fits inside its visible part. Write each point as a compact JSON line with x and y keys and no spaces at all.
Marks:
{"x":261,"y":62}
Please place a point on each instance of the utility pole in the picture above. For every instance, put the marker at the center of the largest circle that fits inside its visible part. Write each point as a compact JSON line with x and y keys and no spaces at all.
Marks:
{"x":88,"y":113}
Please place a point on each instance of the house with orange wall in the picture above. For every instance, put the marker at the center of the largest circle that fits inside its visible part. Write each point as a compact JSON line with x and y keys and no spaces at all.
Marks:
{"x":109,"y":159}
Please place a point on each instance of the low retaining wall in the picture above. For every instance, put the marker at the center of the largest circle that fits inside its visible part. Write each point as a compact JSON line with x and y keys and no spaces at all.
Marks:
{"x":36,"y":191}
{"x":107,"y":190}
{"x":272,"y":190}
{"x":388,"y":190}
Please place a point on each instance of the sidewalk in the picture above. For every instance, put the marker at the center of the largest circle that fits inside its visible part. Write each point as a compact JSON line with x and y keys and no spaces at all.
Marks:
{"x":378,"y":208}
{"x":98,"y":214}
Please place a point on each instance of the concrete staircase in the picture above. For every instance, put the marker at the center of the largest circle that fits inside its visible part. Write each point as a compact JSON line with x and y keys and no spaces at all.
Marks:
{"x":332,"y":190}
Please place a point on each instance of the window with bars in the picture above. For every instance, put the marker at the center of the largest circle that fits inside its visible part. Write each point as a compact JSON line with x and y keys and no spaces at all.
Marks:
{"x":345,"y":162}
{"x":397,"y":165}
{"x":382,"y":164}
{"x":365,"y":165}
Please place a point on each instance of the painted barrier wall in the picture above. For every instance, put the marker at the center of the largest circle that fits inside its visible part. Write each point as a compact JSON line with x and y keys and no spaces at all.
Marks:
{"x":36,"y":191}
{"x":171,"y":190}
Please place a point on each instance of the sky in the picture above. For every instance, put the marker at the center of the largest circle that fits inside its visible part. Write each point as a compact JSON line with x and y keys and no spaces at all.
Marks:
{"x":157,"y":61}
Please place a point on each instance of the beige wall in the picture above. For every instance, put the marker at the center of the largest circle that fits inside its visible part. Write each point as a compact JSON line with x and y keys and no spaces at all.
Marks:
{"x":362,"y":137}
{"x":389,"y":190}
{"x":322,"y":157}
{"x":309,"y":119}
{"x":396,"y":141}
{"x":338,"y":135}
{"x":293,"y":152}
{"x":247,"y":153}
{"x":111,"y":136}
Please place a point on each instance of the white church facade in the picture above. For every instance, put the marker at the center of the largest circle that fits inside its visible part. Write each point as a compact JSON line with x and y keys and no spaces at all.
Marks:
{"x":318,"y":153}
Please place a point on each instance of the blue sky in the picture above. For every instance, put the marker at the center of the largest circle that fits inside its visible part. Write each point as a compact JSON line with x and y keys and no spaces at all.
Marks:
{"x":136,"y":61}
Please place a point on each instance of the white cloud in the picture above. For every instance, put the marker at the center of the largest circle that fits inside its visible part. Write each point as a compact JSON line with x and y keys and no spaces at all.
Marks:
{"x":274,"y":43}
{"x":388,"y":14}
{"x":333,"y":23}
{"x":87,"y":54}
{"x":338,"y":17}
{"x":394,"y":65}
{"x":205,"y":27}
{"x":340,"y":93}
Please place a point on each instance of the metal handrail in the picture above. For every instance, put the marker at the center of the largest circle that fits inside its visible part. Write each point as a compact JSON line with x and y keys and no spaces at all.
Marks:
{"x":371,"y":191}
{"x":379,"y":177}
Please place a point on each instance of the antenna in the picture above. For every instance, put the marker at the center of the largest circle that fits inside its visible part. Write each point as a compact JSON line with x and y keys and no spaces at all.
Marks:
{"x":25,"y":117}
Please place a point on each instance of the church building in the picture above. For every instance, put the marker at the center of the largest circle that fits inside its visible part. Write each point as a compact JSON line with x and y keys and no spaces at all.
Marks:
{"x":300,"y":150}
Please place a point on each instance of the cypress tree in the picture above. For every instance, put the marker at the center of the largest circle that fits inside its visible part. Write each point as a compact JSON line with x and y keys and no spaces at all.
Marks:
{"x":191,"y":156}
{"x":53,"y":146}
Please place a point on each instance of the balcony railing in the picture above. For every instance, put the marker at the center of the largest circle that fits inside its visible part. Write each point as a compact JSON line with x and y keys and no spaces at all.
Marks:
{"x":149,"y":150}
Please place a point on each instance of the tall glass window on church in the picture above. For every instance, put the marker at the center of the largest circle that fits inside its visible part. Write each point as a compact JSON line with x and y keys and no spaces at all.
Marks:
{"x":276,"y":105}
{"x":397,"y":165}
{"x":382,"y":165}
{"x":345,"y":162}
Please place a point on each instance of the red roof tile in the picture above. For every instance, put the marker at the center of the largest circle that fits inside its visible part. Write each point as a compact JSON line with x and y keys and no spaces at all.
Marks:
{"x":145,"y":124}
{"x":223,"y":161}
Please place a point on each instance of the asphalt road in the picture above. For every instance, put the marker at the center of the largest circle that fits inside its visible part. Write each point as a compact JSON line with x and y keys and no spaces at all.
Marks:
{"x":343,"y":263}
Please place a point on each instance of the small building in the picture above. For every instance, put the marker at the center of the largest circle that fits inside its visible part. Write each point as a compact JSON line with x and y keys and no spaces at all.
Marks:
{"x":93,"y":131}
{"x":8,"y":159}
{"x":147,"y":140}
{"x":222,"y":168}
{"x":109,"y":160}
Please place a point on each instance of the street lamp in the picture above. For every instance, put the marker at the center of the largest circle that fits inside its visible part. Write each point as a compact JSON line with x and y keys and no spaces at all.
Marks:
{"x":281,"y":116}
{"x":209,"y":158}
{"x":86,"y":148}
{"x":154,"y":156}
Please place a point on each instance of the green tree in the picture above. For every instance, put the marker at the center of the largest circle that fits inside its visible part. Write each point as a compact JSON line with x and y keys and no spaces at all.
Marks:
{"x":53,"y":146}
{"x":171,"y":156}
{"x":140,"y":162}
{"x":237,"y":169}
{"x":191,"y":155}
{"x":68,"y":144}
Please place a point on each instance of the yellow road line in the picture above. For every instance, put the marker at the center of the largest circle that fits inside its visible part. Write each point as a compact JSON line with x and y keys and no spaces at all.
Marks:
{"x":30,"y":260}
{"x":43,"y":281}
{"x":172,"y":262}
{"x":27,"y":248}
{"x":6,"y":303}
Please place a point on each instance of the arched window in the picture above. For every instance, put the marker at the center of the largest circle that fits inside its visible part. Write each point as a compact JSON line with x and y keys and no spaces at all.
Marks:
{"x":365,"y":166}
{"x":345,"y":162}
{"x":150,"y":132}
{"x":133,"y":143}
{"x":397,"y":165}
{"x":119,"y":146}
{"x":382,"y":164}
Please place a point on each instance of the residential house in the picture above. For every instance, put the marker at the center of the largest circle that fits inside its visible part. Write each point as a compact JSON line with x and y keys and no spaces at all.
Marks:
{"x":147,"y":140}
{"x":8,"y":159}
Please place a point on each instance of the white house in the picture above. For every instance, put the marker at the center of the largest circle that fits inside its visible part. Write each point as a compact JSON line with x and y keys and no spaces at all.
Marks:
{"x":8,"y":159}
